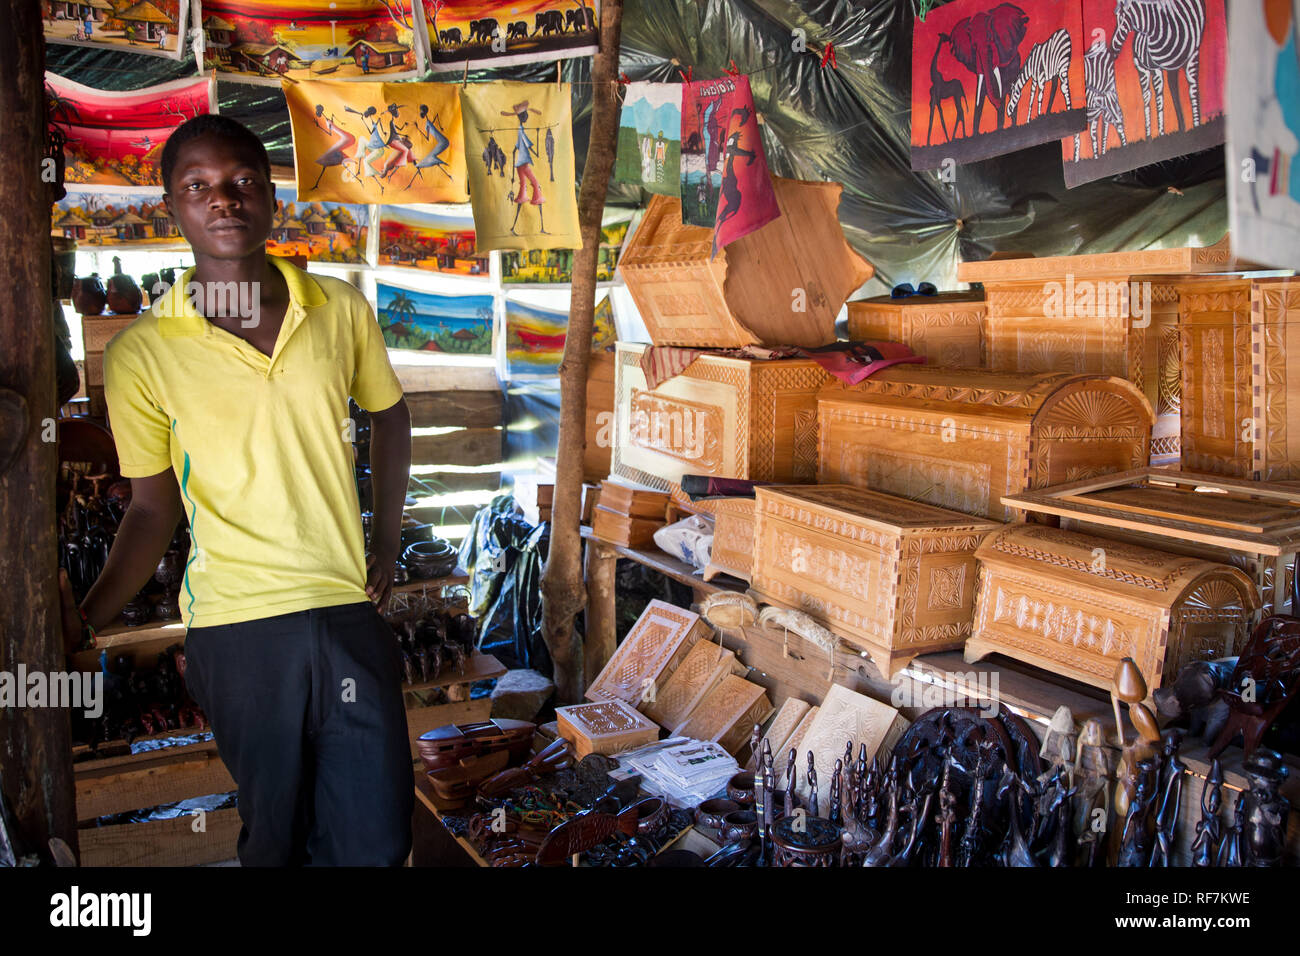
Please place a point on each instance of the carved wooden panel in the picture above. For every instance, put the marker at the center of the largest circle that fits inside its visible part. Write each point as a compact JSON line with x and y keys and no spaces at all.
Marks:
{"x":1076,"y":604}
{"x":793,"y":742}
{"x":1215,"y":258}
{"x":1218,"y":426}
{"x":961,"y":439}
{"x":733,"y":539}
{"x":845,"y":715}
{"x":703,"y":667}
{"x":727,"y":714}
{"x":944,"y":328}
{"x":745,"y":294}
{"x":891,"y":576}
{"x":782,"y":729}
{"x":1275,"y":327}
{"x":657,"y":643}
{"x":607,"y":727}
{"x":725,"y":417}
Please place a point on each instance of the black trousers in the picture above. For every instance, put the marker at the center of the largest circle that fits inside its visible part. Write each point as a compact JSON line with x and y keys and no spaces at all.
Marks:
{"x":308,"y":717}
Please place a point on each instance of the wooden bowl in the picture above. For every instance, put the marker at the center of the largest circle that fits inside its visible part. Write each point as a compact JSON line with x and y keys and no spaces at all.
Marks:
{"x":710,"y":813}
{"x":739,"y":825}
{"x":740,"y":788}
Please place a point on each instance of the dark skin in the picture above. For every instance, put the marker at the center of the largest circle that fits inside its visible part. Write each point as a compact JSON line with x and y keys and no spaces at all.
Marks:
{"x":222,"y":200}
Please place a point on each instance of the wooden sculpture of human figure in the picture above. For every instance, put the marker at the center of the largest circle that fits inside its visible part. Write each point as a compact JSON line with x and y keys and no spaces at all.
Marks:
{"x":525,"y":150}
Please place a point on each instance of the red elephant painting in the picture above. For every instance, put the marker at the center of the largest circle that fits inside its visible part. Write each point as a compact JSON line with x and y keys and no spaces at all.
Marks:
{"x":994,"y":54}
{"x":988,"y":44}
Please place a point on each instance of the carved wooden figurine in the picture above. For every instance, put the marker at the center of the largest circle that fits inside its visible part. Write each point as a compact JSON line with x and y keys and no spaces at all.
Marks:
{"x":1266,"y":809}
{"x":791,"y":771}
{"x":1230,"y":850}
{"x":1129,"y":686}
{"x":947,"y":817}
{"x":1136,"y":837}
{"x":1171,"y":798}
{"x":1206,"y":843}
{"x":812,"y":786}
{"x":833,"y":809}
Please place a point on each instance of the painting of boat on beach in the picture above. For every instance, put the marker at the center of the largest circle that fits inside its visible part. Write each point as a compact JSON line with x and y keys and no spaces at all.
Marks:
{"x":535,"y":336}
{"x":264,"y":41}
{"x":131,"y":26}
{"x":424,"y":321}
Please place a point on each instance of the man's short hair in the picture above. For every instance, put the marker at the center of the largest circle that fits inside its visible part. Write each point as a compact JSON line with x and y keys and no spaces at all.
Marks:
{"x":209,"y":124}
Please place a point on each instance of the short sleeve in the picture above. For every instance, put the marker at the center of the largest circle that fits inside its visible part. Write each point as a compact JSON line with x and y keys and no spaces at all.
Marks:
{"x":139,"y":425}
{"x":374,"y":383}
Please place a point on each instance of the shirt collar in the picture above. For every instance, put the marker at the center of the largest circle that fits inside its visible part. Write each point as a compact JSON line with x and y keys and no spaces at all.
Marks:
{"x":178,"y":316}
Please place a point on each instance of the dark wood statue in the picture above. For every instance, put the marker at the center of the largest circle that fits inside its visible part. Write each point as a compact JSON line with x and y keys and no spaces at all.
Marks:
{"x":972,"y":837}
{"x":1139,"y":825}
{"x":812,"y":786}
{"x":1230,"y":853}
{"x":1267,"y":810}
{"x":1171,"y":797}
{"x":869,"y":798}
{"x":861,"y":772}
{"x":1270,"y":666}
{"x":1206,"y":843}
{"x":947,"y":817}
{"x":1015,"y":851}
{"x":791,"y":772}
{"x":836,"y":782}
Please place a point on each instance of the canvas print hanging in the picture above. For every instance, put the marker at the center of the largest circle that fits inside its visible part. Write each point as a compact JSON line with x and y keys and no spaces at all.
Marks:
{"x":433,"y":238}
{"x":1264,"y":131}
{"x":489,"y":34}
{"x":97,"y":217}
{"x":319,"y":231}
{"x":551,"y":266}
{"x":649,"y":138}
{"x":535,"y":337}
{"x":265,"y":41}
{"x":725,"y":185}
{"x":377,"y":142}
{"x":116,"y":139}
{"x":427,"y":322}
{"x":521,"y":173}
{"x":989,"y":79}
{"x":1154,"y":74}
{"x":155,"y":27}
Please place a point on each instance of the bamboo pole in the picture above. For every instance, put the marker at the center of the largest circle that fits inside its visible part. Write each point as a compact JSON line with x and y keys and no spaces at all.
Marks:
{"x":35,"y":743}
{"x":563,"y":593}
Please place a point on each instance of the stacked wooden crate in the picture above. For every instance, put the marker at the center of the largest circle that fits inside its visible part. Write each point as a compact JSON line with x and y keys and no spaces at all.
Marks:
{"x":628,"y":516}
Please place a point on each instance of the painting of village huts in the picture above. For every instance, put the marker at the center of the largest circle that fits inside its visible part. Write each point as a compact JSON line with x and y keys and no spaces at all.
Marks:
{"x":434,"y":238}
{"x":140,"y":26}
{"x":319,"y":231}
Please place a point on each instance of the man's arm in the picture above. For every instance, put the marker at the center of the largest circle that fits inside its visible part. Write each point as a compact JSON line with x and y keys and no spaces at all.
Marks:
{"x":142,"y":539}
{"x":390,"y":469}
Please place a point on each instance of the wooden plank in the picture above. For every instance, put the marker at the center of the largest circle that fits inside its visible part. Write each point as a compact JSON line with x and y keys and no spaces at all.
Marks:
{"x":421,"y":720}
{"x":424,"y":797}
{"x":468,"y":446}
{"x":142,"y":650}
{"x":149,"y":783}
{"x":600,"y":636}
{"x":478,"y":667}
{"x":130,"y":759}
{"x":162,"y":842}
{"x":444,"y":482}
{"x":465,"y":409}
{"x":447,"y":378}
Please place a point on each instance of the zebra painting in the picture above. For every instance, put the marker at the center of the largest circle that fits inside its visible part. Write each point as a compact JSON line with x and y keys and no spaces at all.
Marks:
{"x":1166,"y":38}
{"x":1102,"y":98}
{"x":1047,"y":62}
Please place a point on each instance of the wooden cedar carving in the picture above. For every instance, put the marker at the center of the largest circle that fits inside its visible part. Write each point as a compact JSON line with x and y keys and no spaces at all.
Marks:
{"x":746,"y":294}
{"x":724,"y":417}
{"x":846,"y":715}
{"x":607,"y":727}
{"x":893,"y":577}
{"x":945,"y":328}
{"x":962,"y":438}
{"x":733,"y":539}
{"x":1076,"y":605}
{"x":703,"y":668}
{"x":654,"y":647}
{"x":727,"y":714}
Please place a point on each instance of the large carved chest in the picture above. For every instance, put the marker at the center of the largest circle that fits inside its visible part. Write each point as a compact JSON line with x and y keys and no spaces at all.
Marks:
{"x":892,"y":577}
{"x":962,"y":438}
{"x":1240,"y":341}
{"x":1115,"y":313}
{"x":1077,"y":604}
{"x":945,"y":328}
{"x":782,"y":284}
{"x":724,"y":417}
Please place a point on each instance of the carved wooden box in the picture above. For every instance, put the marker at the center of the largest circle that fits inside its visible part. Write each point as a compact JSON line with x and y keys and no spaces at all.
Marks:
{"x":1240,"y":338}
{"x":1112,"y":313}
{"x":657,"y":643}
{"x":733,"y":539}
{"x":725,"y":417}
{"x":1076,"y":604}
{"x":962,"y":438}
{"x":607,"y":727}
{"x":846,"y":715}
{"x":893,"y":577}
{"x":727,"y":714}
{"x":703,"y":668}
{"x":782,"y":284}
{"x":945,"y":328}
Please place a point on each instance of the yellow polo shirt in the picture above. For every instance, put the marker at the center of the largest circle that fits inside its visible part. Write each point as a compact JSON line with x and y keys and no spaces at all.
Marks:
{"x":261,"y":446}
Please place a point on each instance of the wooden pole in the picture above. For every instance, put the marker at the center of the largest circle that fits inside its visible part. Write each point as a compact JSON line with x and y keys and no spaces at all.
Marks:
{"x":600,"y":631}
{"x":563,"y":594}
{"x":35,"y":745}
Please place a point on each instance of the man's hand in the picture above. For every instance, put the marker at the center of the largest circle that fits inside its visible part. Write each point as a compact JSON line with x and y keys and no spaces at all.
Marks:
{"x":71,"y":619}
{"x":379,"y":580}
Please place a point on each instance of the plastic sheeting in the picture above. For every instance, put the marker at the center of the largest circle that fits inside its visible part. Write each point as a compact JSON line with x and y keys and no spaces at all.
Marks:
{"x":849,"y":124}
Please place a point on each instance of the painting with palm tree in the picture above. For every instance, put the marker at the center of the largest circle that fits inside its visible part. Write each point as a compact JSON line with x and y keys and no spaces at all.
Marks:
{"x":427,"y":322}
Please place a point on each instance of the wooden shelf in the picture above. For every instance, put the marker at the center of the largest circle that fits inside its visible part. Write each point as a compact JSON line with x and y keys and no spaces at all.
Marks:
{"x":478,"y":667}
{"x":667,"y":565}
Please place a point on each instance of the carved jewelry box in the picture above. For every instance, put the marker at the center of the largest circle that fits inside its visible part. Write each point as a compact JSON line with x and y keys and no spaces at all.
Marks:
{"x":651,"y":651}
{"x":782,"y":284}
{"x":945,"y":328}
{"x":727,"y":714}
{"x":703,"y":669}
{"x":1238,"y":337}
{"x":962,"y":438}
{"x":895,"y":578}
{"x":607,"y":727}
{"x":1076,"y":604}
{"x":724,"y":417}
{"x":1089,"y":313}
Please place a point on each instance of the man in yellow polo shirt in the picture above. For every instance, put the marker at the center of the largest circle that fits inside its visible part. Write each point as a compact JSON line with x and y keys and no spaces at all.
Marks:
{"x":228,"y":401}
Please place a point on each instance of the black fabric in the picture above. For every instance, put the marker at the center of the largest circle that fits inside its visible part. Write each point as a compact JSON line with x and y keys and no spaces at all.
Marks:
{"x":850,"y":124}
{"x":307,"y":713}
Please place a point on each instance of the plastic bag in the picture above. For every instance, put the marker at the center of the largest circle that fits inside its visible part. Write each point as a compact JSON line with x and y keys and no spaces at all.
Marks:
{"x":690,"y":539}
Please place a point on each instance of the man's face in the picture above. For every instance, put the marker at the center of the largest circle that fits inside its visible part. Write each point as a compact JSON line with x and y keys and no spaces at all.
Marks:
{"x":221,"y":198}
